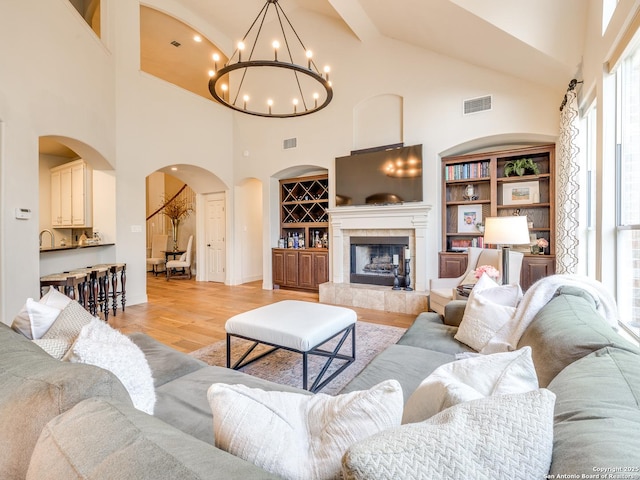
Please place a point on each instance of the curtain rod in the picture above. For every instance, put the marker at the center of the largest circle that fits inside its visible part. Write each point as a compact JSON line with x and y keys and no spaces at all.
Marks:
{"x":572,"y":85}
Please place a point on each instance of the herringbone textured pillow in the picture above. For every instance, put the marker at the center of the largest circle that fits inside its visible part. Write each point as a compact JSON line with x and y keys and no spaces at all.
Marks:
{"x":56,"y":347}
{"x":69,"y":323}
{"x":503,"y":436}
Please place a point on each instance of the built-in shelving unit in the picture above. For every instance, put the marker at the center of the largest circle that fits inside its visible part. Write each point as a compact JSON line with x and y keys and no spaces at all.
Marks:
{"x":476,"y":186}
{"x":303,"y":216}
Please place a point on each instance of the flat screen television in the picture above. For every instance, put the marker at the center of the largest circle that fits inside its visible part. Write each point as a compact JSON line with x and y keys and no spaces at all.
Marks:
{"x":380,"y":176}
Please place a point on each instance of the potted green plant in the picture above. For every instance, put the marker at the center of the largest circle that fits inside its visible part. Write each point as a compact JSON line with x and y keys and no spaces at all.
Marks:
{"x":521,"y":166}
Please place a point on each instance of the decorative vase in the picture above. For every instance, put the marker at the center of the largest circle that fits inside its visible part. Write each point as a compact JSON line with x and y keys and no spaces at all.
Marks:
{"x":174,"y":232}
{"x":535,"y":249}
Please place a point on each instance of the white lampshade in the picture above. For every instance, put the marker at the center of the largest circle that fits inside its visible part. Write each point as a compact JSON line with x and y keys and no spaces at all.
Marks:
{"x":508,"y":230}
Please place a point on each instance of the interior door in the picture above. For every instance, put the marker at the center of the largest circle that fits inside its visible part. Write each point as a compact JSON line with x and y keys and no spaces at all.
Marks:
{"x":215,"y":234}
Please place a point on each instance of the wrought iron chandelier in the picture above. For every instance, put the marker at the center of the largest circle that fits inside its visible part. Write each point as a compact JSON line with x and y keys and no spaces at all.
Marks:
{"x":288,"y":85}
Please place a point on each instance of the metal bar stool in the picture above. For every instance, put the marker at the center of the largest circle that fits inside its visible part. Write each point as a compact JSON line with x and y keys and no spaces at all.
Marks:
{"x":68,"y":283}
{"x":118,"y":272}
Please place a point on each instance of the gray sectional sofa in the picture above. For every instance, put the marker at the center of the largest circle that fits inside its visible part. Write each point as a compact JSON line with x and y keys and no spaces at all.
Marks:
{"x":69,"y":421}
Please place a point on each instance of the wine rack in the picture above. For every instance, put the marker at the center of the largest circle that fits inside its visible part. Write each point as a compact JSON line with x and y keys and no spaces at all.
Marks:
{"x":303,"y":207}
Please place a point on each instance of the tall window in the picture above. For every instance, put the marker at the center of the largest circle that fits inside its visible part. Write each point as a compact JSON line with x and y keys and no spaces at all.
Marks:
{"x":628,"y":192}
{"x":587,"y":244}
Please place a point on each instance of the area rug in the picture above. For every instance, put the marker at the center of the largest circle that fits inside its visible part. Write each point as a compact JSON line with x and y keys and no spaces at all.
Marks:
{"x":285,"y":367}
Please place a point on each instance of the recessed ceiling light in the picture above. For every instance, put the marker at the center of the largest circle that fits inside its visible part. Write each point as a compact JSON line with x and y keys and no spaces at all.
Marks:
{"x":174,"y":169}
{"x":197,"y":38}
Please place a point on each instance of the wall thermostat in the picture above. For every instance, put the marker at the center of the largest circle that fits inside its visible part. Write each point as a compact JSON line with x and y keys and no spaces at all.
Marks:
{"x":23,"y":213}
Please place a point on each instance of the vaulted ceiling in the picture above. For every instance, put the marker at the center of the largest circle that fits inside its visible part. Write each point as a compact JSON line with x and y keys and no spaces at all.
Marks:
{"x":540,"y":41}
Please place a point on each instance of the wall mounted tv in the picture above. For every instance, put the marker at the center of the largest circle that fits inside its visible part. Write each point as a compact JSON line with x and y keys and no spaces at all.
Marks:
{"x":380,"y":176}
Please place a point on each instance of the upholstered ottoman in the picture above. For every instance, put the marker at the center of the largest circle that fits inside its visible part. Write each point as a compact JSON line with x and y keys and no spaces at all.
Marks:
{"x":301,"y":327}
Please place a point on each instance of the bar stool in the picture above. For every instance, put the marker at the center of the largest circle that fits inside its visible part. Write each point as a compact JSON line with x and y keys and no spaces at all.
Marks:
{"x":118,"y":271}
{"x":68,"y":283}
{"x":98,"y":288}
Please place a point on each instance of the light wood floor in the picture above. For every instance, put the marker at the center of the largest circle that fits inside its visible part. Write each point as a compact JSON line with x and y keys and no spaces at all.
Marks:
{"x":188,"y":315}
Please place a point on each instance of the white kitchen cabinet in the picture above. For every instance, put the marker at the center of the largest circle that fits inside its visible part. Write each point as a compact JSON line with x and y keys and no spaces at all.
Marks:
{"x":71,"y":196}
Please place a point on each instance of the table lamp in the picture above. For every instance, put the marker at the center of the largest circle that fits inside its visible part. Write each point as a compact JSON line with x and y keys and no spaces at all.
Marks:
{"x":506,"y":231}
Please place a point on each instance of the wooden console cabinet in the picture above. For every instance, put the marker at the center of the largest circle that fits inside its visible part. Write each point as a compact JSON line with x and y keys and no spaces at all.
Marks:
{"x":534,"y":267}
{"x":305,"y":269}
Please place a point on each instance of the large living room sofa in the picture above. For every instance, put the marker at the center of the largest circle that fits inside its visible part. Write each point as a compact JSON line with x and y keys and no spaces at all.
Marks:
{"x":61,"y":420}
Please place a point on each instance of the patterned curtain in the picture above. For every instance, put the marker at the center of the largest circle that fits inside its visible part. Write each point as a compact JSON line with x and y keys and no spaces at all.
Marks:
{"x":567,"y":186}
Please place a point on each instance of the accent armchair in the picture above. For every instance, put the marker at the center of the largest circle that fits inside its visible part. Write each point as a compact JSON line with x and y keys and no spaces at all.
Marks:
{"x":182,"y":267}
{"x":443,"y":290}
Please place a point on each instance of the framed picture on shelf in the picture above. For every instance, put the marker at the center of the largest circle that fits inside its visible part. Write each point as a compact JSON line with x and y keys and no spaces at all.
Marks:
{"x":468,"y":217}
{"x":518,"y":193}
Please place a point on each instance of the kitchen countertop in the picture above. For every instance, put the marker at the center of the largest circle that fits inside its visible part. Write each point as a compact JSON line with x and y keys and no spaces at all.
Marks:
{"x":73,"y":247}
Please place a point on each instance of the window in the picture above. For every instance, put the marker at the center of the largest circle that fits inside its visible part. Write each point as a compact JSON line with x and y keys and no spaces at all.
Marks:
{"x":587,"y":235}
{"x":627,"y":194}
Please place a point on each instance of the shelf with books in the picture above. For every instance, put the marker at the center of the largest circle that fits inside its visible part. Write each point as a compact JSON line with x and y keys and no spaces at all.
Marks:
{"x":498,"y":191}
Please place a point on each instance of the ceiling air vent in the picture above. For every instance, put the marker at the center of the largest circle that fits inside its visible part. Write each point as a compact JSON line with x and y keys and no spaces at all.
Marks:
{"x":289,"y":143}
{"x":175,"y":43}
{"x":475,"y":105}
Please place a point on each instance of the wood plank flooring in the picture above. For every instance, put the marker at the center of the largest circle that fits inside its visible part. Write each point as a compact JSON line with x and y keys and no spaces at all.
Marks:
{"x":188,"y":315}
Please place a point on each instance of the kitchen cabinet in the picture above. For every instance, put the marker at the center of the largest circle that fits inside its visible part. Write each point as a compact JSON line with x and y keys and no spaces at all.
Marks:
{"x":71,"y":195}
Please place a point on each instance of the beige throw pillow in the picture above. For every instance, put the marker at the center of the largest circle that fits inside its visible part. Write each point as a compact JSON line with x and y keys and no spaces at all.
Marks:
{"x":498,"y":437}
{"x":489,"y":307}
{"x":470,"y":379}
{"x":300,"y":436}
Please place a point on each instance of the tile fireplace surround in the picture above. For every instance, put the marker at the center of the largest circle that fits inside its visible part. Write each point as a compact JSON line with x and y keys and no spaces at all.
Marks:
{"x":409,"y":220}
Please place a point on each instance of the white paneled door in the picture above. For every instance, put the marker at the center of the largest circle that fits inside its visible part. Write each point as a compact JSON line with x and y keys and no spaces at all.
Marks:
{"x":215,"y":234}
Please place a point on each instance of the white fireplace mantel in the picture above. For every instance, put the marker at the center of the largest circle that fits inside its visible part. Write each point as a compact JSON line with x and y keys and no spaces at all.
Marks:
{"x":411,"y":216}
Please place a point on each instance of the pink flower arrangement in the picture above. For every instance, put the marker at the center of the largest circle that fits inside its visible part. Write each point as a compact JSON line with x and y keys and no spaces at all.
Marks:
{"x":492,"y":272}
{"x":542,"y":243}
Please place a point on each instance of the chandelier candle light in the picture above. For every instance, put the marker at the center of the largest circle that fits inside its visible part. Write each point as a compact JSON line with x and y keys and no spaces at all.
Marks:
{"x":296,"y":86}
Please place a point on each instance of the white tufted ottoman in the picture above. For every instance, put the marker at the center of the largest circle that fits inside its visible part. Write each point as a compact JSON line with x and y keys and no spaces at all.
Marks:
{"x":296,"y":326}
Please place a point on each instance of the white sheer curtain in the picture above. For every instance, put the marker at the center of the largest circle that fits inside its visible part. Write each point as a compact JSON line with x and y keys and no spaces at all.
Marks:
{"x":568,"y":186}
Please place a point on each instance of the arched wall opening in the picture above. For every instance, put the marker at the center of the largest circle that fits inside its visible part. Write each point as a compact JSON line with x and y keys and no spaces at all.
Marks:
{"x":100,"y":222}
{"x":201,"y":184}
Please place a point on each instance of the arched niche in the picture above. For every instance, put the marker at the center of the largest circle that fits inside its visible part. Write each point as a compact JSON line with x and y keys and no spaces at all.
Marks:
{"x":498,"y":142}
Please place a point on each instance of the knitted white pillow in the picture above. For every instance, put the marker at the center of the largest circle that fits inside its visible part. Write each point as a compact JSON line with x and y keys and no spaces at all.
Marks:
{"x":470,"y":379}
{"x":100,"y":345}
{"x":298,"y":436}
{"x":503,"y":436}
{"x":489,"y":307}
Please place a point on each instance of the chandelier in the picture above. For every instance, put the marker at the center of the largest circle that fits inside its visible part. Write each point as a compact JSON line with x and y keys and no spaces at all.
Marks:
{"x":277,"y":78}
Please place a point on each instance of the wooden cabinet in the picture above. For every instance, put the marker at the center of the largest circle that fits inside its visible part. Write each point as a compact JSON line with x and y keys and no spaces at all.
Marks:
{"x":303,"y":215}
{"x":535,"y":267}
{"x":71,"y":195}
{"x":305,"y":269}
{"x":452,"y":265}
{"x":480,"y":185}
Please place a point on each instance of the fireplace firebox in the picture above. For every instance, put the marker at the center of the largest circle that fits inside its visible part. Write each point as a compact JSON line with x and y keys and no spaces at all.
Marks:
{"x":371,"y":260}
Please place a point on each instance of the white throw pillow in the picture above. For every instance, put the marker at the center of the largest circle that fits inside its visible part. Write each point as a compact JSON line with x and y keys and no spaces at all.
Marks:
{"x":35,"y":319}
{"x":470,"y":379}
{"x":489,"y":307}
{"x":504,"y":436}
{"x":298,"y":436}
{"x":55,"y":298}
{"x":100,"y":345}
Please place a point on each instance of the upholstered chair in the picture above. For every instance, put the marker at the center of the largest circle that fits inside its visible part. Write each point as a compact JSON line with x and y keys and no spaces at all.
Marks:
{"x":157,"y":258}
{"x":182,"y":267}
{"x":443,"y":290}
